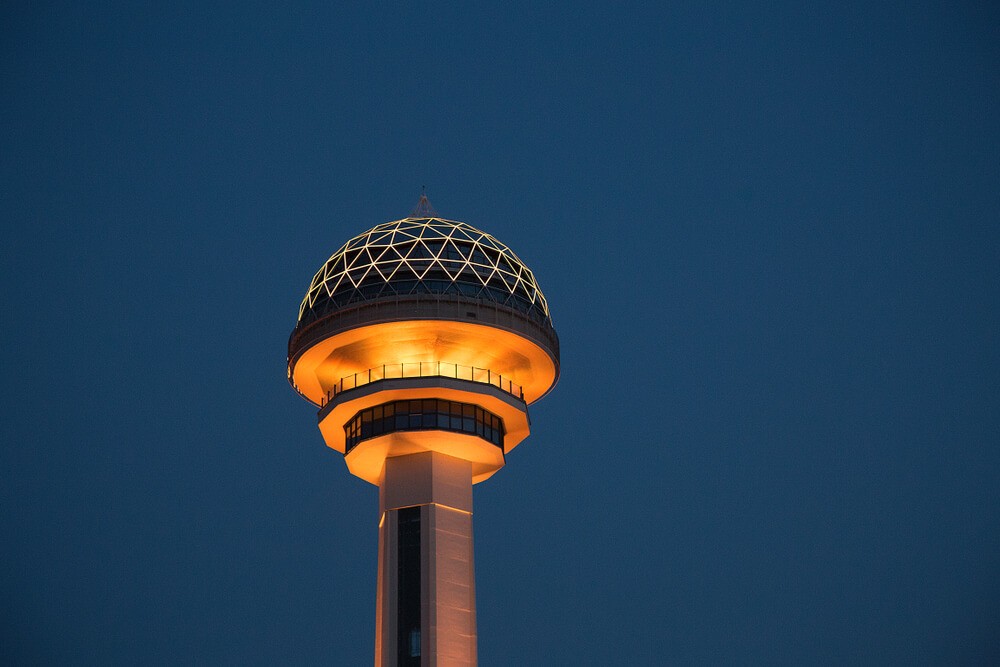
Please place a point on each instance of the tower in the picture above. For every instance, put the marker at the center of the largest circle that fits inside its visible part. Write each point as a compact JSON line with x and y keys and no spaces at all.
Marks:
{"x":423,"y":341}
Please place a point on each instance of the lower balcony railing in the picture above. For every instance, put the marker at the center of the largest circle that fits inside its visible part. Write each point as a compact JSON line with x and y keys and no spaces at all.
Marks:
{"x":423,"y":369}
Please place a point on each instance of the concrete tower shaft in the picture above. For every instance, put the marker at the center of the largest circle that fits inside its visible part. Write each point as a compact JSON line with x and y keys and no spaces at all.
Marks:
{"x":422,"y":342}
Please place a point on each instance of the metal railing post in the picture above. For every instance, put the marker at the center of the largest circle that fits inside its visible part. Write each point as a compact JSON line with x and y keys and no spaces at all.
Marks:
{"x":436,"y":371}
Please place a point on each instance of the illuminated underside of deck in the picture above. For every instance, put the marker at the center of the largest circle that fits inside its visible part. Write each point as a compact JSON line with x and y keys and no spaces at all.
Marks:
{"x":323,"y":365}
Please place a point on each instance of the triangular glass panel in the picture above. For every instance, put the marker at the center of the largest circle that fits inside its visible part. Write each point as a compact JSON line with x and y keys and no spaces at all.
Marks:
{"x":505,"y":266}
{"x":357,"y":275}
{"x":332,"y":286}
{"x":434,"y":247}
{"x":435,"y":271}
{"x":352,"y":258}
{"x":441,"y":230}
{"x":401,"y":236}
{"x":402,"y":271}
{"x":383,"y":238}
{"x":509,"y":280}
{"x":450,"y":251}
{"x":418,"y":250}
{"x":382,"y":255}
{"x":419,"y":266}
{"x":479,"y":257}
{"x":462,"y":234}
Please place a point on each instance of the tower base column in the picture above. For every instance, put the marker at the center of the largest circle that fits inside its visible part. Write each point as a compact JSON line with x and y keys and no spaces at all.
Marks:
{"x":426,"y":584}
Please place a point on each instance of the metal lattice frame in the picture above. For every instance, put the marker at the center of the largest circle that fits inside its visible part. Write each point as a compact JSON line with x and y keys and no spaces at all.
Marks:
{"x":423,"y":256}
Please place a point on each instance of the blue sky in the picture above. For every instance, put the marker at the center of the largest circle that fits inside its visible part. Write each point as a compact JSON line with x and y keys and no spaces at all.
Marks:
{"x":768,"y":234}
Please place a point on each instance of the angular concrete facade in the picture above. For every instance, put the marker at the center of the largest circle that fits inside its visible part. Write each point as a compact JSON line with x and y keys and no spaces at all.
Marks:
{"x":440,"y":487}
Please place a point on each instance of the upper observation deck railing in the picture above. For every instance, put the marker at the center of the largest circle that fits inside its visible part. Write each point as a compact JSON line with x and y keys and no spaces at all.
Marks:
{"x":423,"y":369}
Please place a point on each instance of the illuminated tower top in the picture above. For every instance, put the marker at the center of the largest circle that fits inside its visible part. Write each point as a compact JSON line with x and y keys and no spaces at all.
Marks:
{"x":422,"y":341}
{"x":423,"y":289}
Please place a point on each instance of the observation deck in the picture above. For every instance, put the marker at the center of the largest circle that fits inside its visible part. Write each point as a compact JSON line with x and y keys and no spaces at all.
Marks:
{"x":423,"y":309}
{"x":423,"y":290}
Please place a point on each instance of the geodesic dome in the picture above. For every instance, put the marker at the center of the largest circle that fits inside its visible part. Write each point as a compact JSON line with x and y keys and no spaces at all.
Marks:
{"x":423,"y":255}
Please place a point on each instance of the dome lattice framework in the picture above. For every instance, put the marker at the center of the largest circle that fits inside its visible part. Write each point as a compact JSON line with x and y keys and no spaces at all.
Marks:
{"x":425,"y":255}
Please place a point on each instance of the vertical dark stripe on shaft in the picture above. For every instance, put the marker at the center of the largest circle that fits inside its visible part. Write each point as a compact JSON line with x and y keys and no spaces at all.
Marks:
{"x":408,"y":587}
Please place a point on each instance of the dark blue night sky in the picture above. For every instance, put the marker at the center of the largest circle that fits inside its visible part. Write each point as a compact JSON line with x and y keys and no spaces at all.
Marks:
{"x":770,"y":237}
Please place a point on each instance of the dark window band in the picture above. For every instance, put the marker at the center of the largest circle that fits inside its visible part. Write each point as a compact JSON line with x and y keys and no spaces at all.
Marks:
{"x":375,"y":287}
{"x":424,"y":414}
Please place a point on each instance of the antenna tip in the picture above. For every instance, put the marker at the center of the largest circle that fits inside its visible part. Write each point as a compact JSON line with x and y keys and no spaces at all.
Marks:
{"x":423,"y":209}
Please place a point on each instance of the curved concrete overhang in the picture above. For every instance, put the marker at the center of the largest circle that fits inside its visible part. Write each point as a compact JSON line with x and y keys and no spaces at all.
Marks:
{"x":342,"y":409}
{"x":367,"y":459}
{"x":428,"y":329}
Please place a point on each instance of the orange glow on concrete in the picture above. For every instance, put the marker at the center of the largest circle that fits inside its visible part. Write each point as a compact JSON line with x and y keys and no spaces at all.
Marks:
{"x":332,"y":424}
{"x":440,"y":486}
{"x":514,"y":357}
{"x":367,"y":459}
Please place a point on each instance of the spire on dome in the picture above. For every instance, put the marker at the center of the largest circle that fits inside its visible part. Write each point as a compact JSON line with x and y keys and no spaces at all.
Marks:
{"x":423,"y":209}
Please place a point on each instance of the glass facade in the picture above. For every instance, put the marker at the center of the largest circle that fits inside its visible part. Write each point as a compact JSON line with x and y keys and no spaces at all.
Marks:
{"x":424,"y":415}
{"x":375,"y":287}
{"x":424,"y":256}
